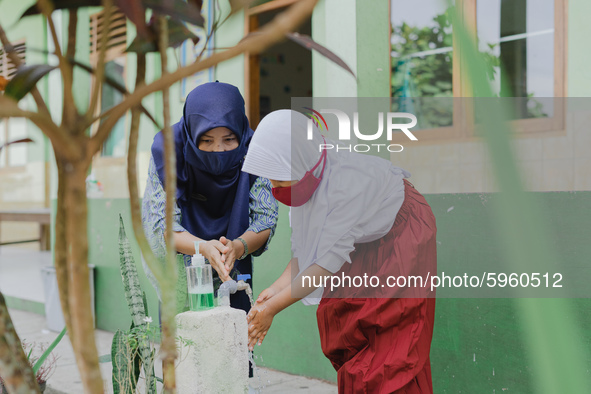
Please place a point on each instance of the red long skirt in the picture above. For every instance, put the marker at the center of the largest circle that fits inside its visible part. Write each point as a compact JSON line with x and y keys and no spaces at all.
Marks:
{"x":381,"y":345}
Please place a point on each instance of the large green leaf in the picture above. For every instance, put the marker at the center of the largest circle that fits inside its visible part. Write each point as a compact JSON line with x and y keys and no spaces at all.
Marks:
{"x":135,"y":302}
{"x":47,"y":351}
{"x":178,"y":9}
{"x":25,"y":80}
{"x":238,"y":5}
{"x":558,"y":358}
{"x":308,"y":43}
{"x":63,"y":4}
{"x":130,"y":278}
{"x":135,"y":10}
{"x":121,"y":357}
{"x":177,"y":34}
{"x":23,"y":140}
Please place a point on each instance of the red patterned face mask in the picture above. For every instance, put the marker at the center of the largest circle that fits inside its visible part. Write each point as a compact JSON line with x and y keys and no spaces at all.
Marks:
{"x":299,"y":193}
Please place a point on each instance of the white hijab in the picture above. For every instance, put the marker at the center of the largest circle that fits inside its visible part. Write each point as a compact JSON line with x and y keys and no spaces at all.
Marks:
{"x":356,"y":202}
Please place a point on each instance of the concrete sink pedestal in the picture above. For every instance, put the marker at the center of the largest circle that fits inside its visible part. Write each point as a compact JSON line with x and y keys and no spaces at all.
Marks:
{"x":218,"y":360}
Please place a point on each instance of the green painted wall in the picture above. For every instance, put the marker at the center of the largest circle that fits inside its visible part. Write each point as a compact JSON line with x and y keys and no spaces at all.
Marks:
{"x":103,"y":232}
{"x":229,"y":34}
{"x":479,"y":344}
{"x":578,"y":31}
{"x":373,"y":49}
{"x":334,"y":26}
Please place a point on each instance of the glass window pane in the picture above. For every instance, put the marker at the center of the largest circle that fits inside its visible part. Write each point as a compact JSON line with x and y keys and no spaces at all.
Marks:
{"x":2,"y":142}
{"x":519,"y":34}
{"x":115,"y":144}
{"x":17,"y":129}
{"x":422,"y":58}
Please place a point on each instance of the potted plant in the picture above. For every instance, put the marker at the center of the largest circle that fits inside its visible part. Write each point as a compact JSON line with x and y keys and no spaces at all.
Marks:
{"x":43,"y":365}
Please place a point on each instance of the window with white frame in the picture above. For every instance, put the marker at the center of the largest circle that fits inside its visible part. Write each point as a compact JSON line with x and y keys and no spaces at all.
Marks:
{"x":522,"y":41}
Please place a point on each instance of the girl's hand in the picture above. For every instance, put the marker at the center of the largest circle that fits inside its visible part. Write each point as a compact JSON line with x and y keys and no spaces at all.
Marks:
{"x":213,"y":251}
{"x":233,"y":253}
{"x":265,"y":295}
{"x":259,"y":320}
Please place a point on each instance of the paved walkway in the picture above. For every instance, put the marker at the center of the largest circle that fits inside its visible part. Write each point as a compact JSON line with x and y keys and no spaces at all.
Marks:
{"x":66,"y":379}
{"x":22,"y":282}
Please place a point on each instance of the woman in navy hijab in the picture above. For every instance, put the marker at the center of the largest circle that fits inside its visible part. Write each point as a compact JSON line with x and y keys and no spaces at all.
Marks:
{"x":230,"y":213}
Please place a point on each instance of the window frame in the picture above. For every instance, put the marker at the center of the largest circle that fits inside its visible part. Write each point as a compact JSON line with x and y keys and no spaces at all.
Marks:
{"x":464,"y":127}
{"x":116,"y":52}
{"x":7,"y":71}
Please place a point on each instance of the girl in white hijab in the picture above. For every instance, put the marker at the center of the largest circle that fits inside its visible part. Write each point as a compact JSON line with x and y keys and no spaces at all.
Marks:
{"x":353,"y":216}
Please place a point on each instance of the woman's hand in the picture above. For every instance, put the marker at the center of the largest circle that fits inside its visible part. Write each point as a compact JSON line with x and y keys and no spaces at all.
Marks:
{"x":235,"y":250}
{"x":213,"y":251}
{"x":265,"y":295}
{"x":259,"y":321}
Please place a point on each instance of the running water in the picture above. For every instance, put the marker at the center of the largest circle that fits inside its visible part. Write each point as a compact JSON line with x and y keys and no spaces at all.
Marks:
{"x":242,"y":285}
{"x":255,"y":369}
{"x":256,"y":373}
{"x":249,"y":294}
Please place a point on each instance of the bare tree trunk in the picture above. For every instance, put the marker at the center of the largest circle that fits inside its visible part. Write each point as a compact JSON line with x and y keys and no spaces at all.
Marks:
{"x":168,"y":348}
{"x":61,"y":267}
{"x":81,"y":327}
{"x":16,"y":372}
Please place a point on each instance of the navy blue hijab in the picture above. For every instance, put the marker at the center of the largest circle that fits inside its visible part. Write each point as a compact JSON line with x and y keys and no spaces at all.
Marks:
{"x":212,"y":191}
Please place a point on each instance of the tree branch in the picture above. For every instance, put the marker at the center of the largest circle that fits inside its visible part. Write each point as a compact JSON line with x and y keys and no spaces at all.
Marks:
{"x":46,"y":8}
{"x":100,"y":66}
{"x":168,"y":347}
{"x":13,"y":56}
{"x":271,"y":33}
{"x":69,"y":110}
{"x":60,"y":247}
{"x":61,"y":143}
{"x":15,"y":369}
{"x":136,"y":212}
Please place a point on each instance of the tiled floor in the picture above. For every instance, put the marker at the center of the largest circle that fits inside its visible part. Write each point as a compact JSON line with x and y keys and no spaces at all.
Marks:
{"x":20,"y":272}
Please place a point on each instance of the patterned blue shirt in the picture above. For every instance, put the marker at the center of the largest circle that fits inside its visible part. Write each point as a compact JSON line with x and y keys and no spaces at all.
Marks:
{"x":262,"y":215}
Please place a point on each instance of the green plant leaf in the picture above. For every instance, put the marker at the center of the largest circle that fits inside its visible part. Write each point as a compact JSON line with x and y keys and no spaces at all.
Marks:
{"x":25,"y":80}
{"x":137,"y":363}
{"x":144,"y":298}
{"x":308,"y":43}
{"x":181,"y":285}
{"x":3,"y":83}
{"x":119,"y":356}
{"x":29,"y":354}
{"x":135,"y":302}
{"x":177,"y":34}
{"x":105,"y":358}
{"x":63,"y":4}
{"x":135,"y":11}
{"x":237,"y":5}
{"x":178,"y":9}
{"x":23,"y":140}
{"x":130,"y":278}
{"x":47,"y":351}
